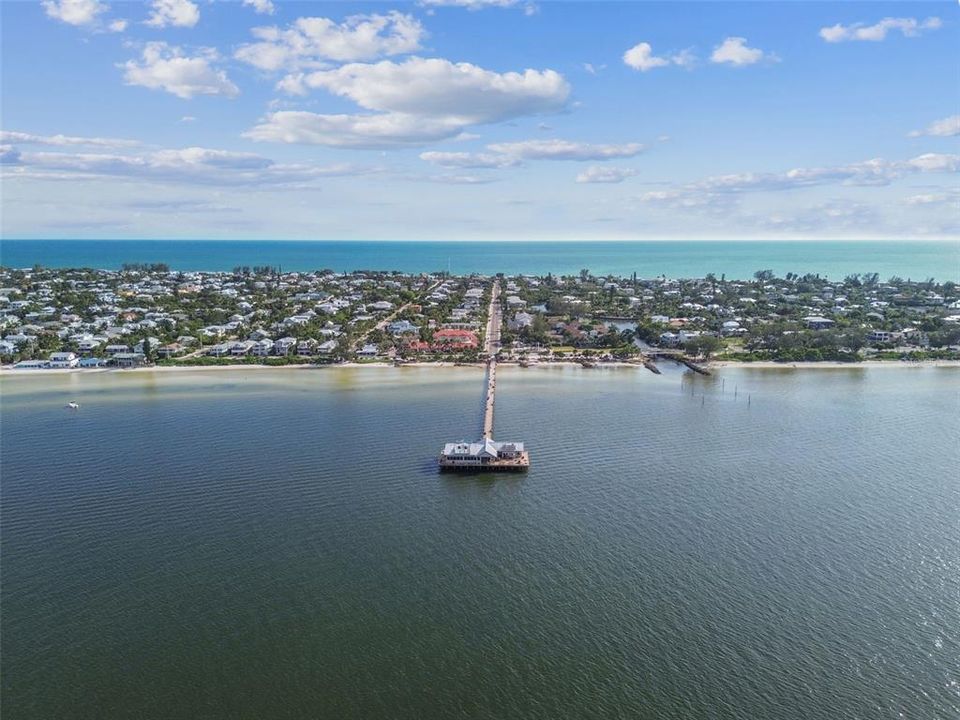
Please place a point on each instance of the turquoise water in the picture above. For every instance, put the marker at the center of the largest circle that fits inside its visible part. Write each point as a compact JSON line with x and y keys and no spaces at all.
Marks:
{"x":278,"y":544}
{"x":917,"y":260}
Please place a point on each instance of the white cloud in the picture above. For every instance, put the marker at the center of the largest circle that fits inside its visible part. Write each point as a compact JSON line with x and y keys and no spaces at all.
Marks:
{"x":720,"y":190}
{"x":415,"y":102}
{"x":605,"y":174}
{"x":118,"y":26}
{"x":311,"y":41}
{"x":192,"y":166}
{"x":529,"y":8}
{"x":261,"y":7}
{"x":951,"y":197}
{"x":352,"y":131}
{"x":935,"y":162}
{"x":165,"y":67}
{"x":464,"y":160}
{"x":948,"y":127}
{"x":640,"y":57}
{"x":188,"y":119}
{"x":75,"y":12}
{"x":910,"y":27}
{"x":179,"y":13}
{"x":565,"y":150}
{"x":22,"y":138}
{"x":734,"y":51}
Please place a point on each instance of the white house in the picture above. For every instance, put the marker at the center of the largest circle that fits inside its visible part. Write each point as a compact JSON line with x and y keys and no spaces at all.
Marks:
{"x":63,"y":360}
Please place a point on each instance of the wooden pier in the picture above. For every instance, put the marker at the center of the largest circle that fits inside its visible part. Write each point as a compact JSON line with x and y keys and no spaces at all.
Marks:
{"x":487,"y":455}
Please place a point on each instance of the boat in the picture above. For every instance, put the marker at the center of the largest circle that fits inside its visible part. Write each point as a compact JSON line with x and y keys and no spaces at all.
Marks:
{"x":73,"y":406}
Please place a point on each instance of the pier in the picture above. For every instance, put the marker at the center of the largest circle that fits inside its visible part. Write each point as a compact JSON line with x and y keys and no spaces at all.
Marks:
{"x":487,"y":454}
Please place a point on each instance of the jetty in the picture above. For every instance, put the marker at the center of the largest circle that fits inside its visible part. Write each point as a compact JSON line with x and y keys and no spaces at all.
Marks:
{"x":487,"y":454}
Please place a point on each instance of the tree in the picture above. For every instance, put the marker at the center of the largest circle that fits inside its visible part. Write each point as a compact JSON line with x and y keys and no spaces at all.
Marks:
{"x":704,"y":345}
{"x":148,"y":350}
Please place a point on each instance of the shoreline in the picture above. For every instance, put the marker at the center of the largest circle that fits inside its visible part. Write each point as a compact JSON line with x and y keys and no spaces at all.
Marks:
{"x":7,"y":371}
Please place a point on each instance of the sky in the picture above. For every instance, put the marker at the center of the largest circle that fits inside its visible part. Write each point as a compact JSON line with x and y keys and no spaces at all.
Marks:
{"x":479,"y":120}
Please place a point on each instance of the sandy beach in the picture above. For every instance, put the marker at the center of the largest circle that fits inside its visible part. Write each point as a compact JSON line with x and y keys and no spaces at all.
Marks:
{"x":9,"y":371}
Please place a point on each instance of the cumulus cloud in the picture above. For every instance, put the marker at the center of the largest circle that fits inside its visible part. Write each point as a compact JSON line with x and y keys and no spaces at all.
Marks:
{"x":640,"y":57}
{"x":192,"y":165}
{"x":565,"y":150}
{"x":948,"y":127}
{"x":164,"y":67}
{"x":261,"y":7}
{"x":909,"y":27}
{"x":734,"y":51}
{"x":179,"y":13}
{"x":309,"y":42}
{"x":413,"y":102}
{"x":75,"y":12}
{"x":605,"y":174}
{"x":22,"y":138}
{"x":118,"y":26}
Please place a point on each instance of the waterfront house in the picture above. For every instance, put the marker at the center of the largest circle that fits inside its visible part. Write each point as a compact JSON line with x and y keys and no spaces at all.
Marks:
{"x":368,"y":351}
{"x":263,"y":347}
{"x":306,"y":346}
{"x":327,"y":347}
{"x":114,"y":349}
{"x":284,"y":345}
{"x":92,"y":362}
{"x":63,"y":360}
{"x":128,"y":360}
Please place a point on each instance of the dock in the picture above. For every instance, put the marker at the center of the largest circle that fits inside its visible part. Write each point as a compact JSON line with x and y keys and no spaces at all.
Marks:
{"x":487,"y":455}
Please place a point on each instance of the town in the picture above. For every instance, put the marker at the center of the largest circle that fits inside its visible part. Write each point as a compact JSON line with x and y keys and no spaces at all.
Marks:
{"x":152,"y":315}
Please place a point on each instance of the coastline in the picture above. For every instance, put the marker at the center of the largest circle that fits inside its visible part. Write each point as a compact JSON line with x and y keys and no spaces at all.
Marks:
{"x":7,"y":371}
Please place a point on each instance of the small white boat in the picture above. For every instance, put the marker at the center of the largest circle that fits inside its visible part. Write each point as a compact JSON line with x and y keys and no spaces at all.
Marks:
{"x":73,"y":406}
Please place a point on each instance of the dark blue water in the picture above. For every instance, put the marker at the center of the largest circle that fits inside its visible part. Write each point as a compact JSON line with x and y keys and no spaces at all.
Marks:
{"x":278,"y":544}
{"x":915,"y":260}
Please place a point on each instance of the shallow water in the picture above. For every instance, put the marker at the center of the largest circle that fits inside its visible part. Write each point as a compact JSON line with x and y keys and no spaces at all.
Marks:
{"x":754,"y":544}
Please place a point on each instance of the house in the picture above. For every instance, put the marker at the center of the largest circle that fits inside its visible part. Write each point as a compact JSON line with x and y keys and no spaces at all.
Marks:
{"x":402,"y":327}
{"x":454,"y":339}
{"x":485,"y":452}
{"x":368,"y":351}
{"x":883,"y":336}
{"x":7,"y":348}
{"x":169,"y":350}
{"x":92,"y":362}
{"x":327,"y":347}
{"x":263,"y":347}
{"x":114,"y":349}
{"x":284,"y":345}
{"x":32,"y":364}
{"x":129,"y":360}
{"x":816,"y":322}
{"x":242,"y":349}
{"x":306,"y":346}
{"x":63,"y":360}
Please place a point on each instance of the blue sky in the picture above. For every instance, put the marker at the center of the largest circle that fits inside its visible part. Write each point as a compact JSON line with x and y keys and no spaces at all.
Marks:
{"x":479,"y":119}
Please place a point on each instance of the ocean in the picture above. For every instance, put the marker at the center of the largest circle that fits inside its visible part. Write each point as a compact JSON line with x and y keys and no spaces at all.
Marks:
{"x":278,"y":544}
{"x":916,"y":260}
